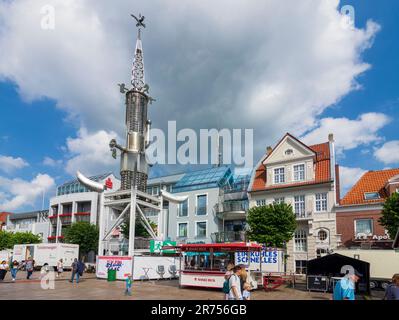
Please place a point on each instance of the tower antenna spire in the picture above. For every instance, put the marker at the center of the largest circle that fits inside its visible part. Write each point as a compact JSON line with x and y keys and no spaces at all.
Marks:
{"x":138,"y":76}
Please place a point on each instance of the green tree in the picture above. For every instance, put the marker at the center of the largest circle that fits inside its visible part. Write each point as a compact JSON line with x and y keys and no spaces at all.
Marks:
{"x":6,"y":241}
{"x":84,"y":234}
{"x":390,"y":215}
{"x":273,"y":224}
{"x":140,"y":231}
{"x":9,"y":239}
{"x":25,"y":238}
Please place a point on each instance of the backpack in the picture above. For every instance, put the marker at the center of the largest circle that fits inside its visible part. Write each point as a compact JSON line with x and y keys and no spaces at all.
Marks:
{"x":226,"y":286}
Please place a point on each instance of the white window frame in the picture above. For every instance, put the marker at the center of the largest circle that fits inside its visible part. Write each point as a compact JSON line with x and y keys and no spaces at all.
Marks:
{"x":188,"y":209}
{"x":299,"y":214}
{"x":372,"y":225}
{"x":178,"y":229}
{"x":293,"y":172}
{"x":196,"y":228}
{"x":260,"y":202}
{"x":373,"y":192}
{"x":327,"y":239}
{"x":321,"y":201}
{"x":274,"y":175}
{"x":279,"y":200}
{"x":302,"y":231}
{"x":196,"y":204}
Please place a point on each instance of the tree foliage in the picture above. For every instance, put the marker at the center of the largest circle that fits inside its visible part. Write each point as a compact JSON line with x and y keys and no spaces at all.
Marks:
{"x":9,"y":239}
{"x":140,"y":231}
{"x":390,"y":215}
{"x":84,"y":234}
{"x":273,"y":224}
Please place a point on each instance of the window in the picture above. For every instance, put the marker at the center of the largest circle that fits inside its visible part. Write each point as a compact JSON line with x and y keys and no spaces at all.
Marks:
{"x":202,"y":205}
{"x":260,"y":203}
{"x":299,"y":206}
{"x":371,"y":195}
{"x":182,"y":230}
{"x":279,"y":175}
{"x":289,"y":152}
{"x":300,"y":266}
{"x":300,"y":241}
{"x":201,"y":229}
{"x":183,"y":209}
{"x":299,"y":172}
{"x":321,"y":202}
{"x":279,"y":200}
{"x":364,"y":226}
{"x":322,"y":235}
{"x":321,"y":253}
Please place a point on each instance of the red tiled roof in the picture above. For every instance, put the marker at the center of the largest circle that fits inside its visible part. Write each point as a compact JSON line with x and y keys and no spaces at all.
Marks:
{"x":372,"y":181}
{"x":3,"y":217}
{"x":322,"y":169}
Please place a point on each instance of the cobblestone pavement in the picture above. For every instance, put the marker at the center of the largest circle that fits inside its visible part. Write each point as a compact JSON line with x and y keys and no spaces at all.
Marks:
{"x":92,"y":288}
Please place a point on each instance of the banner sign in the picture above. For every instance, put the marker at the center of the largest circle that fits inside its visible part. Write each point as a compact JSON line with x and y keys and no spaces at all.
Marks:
{"x":272,"y":260}
{"x":122,"y":265}
{"x":156,"y":246}
{"x":202,"y":280}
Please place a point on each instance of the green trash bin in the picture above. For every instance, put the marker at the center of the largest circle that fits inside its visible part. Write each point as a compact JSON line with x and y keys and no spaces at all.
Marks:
{"x":111,"y":276}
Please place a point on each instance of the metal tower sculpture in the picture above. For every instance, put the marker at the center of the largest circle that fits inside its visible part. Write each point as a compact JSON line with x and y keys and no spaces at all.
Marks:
{"x":134,"y":167}
{"x":131,"y":200}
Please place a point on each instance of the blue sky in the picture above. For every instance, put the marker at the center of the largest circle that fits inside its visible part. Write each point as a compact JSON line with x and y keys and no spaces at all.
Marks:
{"x":53,"y":106}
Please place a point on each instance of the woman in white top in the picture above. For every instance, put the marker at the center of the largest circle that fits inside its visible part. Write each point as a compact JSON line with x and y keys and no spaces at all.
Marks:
{"x":60,"y":267}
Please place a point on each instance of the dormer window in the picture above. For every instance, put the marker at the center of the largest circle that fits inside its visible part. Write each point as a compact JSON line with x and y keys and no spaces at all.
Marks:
{"x":289,"y":152}
{"x":371,"y":196}
{"x":279,"y":175}
{"x":299,"y":172}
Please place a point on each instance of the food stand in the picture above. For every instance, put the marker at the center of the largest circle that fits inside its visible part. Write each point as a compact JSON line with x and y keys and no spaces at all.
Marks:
{"x":204,"y":265}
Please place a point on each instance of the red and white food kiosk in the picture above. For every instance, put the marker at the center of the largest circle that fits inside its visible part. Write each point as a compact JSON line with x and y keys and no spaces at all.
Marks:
{"x":204,"y":265}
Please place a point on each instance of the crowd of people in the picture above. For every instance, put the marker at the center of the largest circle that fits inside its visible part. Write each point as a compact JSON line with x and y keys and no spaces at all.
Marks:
{"x":13,"y":266}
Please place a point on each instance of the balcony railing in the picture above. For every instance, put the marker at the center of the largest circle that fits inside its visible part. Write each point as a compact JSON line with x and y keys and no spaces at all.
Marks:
{"x":230,"y":206}
{"x":229,"y":236}
{"x":304,"y":215}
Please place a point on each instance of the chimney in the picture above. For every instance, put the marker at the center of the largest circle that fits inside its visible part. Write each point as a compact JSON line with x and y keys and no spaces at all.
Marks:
{"x":331,"y":137}
{"x":269,"y":150}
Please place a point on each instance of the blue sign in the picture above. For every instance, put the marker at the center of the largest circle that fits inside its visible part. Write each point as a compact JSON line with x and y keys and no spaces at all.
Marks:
{"x":268,"y":257}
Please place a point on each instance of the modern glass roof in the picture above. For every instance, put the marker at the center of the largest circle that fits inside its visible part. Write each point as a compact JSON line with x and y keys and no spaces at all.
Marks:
{"x":204,"y":179}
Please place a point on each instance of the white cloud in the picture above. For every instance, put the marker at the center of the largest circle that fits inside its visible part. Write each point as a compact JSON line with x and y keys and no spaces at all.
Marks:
{"x":48,"y":161}
{"x":9,"y":164}
{"x":17,"y":193}
{"x":349,"y":134}
{"x":90,"y":153}
{"x":348,"y":177}
{"x":388,"y":153}
{"x":278,"y":65}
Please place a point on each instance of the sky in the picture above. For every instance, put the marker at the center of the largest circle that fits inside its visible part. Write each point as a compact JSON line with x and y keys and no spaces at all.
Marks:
{"x":268,"y":65}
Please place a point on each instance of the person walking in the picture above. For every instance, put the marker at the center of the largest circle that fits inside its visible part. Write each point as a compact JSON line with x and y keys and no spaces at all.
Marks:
{"x":392,"y":291}
{"x":3,"y":269}
{"x":235,"y":284}
{"x":226,"y":284}
{"x":345,"y":288}
{"x":75,"y":271}
{"x":81,"y":269}
{"x":29,"y":265}
{"x":14,"y":269}
{"x":129,"y":282}
{"x":60,"y":267}
{"x":243,"y":278}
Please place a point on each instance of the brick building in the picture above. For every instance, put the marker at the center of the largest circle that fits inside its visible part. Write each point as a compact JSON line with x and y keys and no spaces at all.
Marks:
{"x":360,"y":209}
{"x":3,"y":219}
